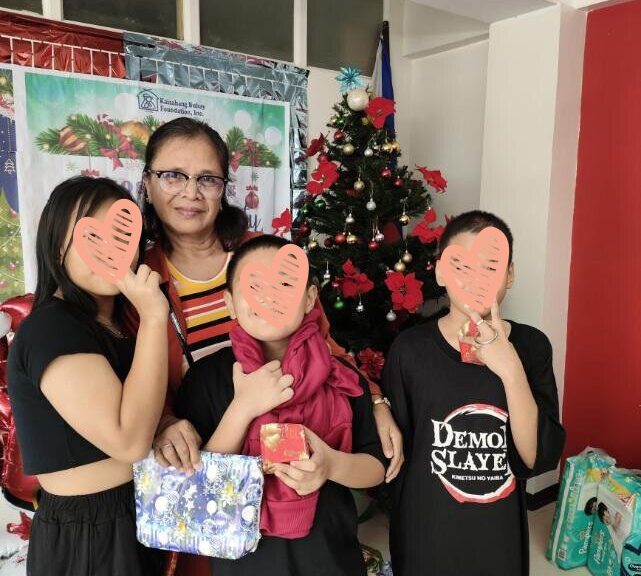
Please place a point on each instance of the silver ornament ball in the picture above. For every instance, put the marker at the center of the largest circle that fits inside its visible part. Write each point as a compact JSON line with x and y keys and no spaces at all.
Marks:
{"x":350,"y":219}
{"x":360,"y":307}
{"x":371,"y":205}
{"x":379,"y":237}
{"x":391,"y":316}
{"x":368,"y":152}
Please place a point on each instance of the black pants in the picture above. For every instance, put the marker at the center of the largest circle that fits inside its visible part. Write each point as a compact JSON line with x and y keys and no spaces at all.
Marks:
{"x":93,"y":535}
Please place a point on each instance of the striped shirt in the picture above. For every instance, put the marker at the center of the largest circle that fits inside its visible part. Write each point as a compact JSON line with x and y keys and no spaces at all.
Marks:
{"x":205,"y":312}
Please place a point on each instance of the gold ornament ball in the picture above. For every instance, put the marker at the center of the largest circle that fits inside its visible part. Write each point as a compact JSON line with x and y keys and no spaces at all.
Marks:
{"x":404,"y":219}
{"x":312,"y":244}
{"x":407,"y":257}
{"x":400,"y":266}
{"x":365,"y":120}
{"x":396,"y":147}
{"x":352,"y":239}
{"x":348,"y":149}
{"x":387,"y":147}
{"x":359,"y":185}
{"x":135,"y":129}
{"x":332,"y":121}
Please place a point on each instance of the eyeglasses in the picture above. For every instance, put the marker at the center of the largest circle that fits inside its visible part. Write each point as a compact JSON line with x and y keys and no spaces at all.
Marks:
{"x":174,"y":182}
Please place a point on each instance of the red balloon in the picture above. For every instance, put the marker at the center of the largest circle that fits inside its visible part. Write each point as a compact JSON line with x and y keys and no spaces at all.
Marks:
{"x":19,"y":487}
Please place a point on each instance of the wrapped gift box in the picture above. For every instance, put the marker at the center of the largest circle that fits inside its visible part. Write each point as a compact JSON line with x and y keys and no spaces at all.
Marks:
{"x":281,"y":442}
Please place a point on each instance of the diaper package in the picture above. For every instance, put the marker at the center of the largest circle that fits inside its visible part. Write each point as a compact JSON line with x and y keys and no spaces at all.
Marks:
{"x":576,"y":508}
{"x":615,"y":548}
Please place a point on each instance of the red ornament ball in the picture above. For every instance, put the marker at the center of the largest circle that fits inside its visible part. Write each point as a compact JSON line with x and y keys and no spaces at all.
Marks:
{"x":386,"y":173}
{"x":398,"y":182}
{"x":353,"y":193}
{"x":329,"y":242}
{"x":373,"y":245}
{"x":339,"y":135}
{"x":304,"y":229}
{"x":340,"y":238}
{"x":336,"y":284}
{"x":252,"y":200}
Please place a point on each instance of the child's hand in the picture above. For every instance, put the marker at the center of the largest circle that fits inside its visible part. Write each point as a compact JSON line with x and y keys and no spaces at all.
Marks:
{"x":307,"y":476}
{"x":498,"y":354}
{"x":262,"y":390}
{"x":142,"y":289}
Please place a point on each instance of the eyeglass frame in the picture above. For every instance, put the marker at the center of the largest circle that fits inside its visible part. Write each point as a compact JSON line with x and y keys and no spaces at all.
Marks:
{"x":158,"y":174}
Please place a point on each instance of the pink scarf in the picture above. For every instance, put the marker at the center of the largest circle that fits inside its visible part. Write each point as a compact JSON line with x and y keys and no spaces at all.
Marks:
{"x":322,"y":388}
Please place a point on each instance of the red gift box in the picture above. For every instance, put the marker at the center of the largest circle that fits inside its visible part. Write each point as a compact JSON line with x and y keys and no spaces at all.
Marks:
{"x":468,"y":355}
{"x":282,"y":443}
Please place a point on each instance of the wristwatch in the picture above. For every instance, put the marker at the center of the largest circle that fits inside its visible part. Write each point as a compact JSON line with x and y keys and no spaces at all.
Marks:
{"x":382,"y":400}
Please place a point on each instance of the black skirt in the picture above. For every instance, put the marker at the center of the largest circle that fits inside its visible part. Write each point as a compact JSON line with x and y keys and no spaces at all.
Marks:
{"x":92,"y":535}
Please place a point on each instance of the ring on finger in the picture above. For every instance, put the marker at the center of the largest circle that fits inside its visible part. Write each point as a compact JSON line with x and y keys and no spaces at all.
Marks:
{"x":479,"y":322}
{"x":486,"y":342}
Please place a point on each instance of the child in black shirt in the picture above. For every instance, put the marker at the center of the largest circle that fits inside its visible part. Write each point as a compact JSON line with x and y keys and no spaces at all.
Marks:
{"x":473,"y":434}
{"x":87,"y":395}
{"x":308,"y":516}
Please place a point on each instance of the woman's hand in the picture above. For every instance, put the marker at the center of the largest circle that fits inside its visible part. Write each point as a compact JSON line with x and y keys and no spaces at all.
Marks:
{"x":178,"y":445}
{"x":307,"y":476}
{"x":142,"y":289}
{"x":391,"y":440}
{"x":499,"y":355}
{"x":263,"y":390}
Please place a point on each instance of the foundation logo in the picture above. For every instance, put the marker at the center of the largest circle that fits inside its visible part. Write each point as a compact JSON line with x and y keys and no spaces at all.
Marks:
{"x":469,"y":454}
{"x":147,"y":100}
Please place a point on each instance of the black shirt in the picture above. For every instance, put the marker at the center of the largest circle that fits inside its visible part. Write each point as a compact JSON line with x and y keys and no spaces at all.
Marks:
{"x":48,"y":443}
{"x":460,"y":499}
{"x":331,"y":548}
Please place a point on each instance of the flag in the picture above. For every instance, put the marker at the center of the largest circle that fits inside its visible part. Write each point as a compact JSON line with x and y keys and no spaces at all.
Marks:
{"x":382,"y":85}
{"x":382,"y":75}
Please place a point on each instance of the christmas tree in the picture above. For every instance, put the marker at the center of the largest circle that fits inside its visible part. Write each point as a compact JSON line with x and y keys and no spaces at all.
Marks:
{"x":354,"y":223}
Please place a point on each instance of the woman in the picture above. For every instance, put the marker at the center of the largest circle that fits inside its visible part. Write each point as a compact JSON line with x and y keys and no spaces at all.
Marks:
{"x":86,"y":396}
{"x":195,"y":230}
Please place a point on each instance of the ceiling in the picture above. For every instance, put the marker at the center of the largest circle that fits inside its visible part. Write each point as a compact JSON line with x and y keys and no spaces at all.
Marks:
{"x":487,"y":10}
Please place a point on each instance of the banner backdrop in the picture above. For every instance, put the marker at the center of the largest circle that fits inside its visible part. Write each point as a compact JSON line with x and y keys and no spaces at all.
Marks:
{"x":70,"y":124}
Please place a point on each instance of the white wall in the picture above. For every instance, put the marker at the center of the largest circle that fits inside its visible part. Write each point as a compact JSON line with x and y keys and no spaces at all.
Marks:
{"x":323,"y":91}
{"x":529,"y":163}
{"x":517,"y":151}
{"x":448,"y":109}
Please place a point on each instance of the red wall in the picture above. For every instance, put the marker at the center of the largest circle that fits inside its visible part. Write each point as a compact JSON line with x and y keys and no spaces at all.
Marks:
{"x":602,"y":400}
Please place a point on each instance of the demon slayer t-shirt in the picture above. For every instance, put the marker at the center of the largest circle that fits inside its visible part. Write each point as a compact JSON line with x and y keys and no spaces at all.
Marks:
{"x":460,"y":499}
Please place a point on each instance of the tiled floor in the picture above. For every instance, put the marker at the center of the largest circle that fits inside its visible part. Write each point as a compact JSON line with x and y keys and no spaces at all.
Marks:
{"x":374,"y":533}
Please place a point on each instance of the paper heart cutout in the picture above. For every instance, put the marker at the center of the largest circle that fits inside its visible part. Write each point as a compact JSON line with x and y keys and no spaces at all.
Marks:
{"x":275,"y":293}
{"x":109,"y":248}
{"x":475,"y":276}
